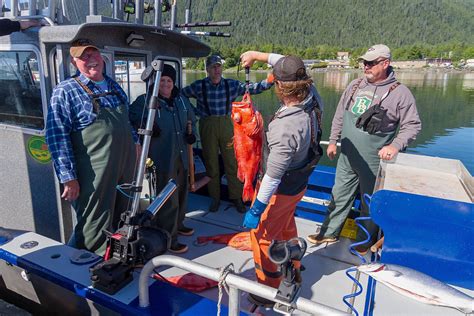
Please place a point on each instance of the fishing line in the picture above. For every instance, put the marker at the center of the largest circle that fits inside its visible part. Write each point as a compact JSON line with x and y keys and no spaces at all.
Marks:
{"x":122,"y":187}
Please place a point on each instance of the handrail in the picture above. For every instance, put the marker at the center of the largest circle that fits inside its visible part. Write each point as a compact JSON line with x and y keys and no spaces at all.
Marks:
{"x":235,"y":282}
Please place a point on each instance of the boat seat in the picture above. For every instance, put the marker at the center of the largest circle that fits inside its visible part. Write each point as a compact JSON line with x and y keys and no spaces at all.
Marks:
{"x":427,"y":234}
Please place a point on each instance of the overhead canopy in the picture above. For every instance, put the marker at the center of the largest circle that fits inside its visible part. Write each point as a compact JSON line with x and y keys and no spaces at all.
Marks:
{"x":115,"y":34}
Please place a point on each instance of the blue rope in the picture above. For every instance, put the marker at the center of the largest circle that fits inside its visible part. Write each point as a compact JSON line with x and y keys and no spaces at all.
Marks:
{"x":346,"y":298}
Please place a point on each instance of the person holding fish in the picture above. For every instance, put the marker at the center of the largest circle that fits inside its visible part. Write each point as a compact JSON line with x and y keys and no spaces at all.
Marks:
{"x":214,"y":96}
{"x":291,"y":151}
{"x":168,"y":152}
{"x":375,"y":119}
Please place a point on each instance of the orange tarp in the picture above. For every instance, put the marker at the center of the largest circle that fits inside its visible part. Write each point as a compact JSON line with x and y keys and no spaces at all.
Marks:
{"x":189,"y":281}
{"x":239,"y":241}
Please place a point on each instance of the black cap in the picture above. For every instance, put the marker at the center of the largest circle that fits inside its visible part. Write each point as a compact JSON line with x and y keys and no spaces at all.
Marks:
{"x":290,"y":68}
{"x":169,"y":71}
{"x":213,"y":59}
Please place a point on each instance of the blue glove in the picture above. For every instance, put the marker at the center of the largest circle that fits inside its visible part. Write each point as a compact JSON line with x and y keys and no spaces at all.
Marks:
{"x":252,"y":217}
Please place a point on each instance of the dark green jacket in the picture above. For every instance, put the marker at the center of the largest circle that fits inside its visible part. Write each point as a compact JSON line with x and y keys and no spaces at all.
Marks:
{"x":170,"y":144}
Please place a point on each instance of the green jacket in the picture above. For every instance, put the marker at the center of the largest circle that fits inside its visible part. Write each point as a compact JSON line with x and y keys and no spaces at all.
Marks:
{"x":170,"y":144}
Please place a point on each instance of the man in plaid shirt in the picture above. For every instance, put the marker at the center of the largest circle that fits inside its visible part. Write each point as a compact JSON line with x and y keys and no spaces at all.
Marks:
{"x":214,"y":96}
{"x":92,"y":144}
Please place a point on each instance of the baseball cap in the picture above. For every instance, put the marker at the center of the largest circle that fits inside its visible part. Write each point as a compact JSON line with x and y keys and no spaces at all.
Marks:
{"x":290,"y":68}
{"x":79,"y":46}
{"x":377,"y":51}
{"x":214,"y":59}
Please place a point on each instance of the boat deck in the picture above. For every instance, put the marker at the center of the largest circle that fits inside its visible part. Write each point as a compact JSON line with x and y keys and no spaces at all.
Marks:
{"x":324,"y":280}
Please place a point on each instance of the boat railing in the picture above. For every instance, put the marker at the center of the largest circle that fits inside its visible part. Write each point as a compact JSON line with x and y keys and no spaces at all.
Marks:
{"x":234,"y":282}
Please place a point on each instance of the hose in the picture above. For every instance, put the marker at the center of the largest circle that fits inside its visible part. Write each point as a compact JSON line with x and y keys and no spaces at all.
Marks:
{"x":355,"y":279}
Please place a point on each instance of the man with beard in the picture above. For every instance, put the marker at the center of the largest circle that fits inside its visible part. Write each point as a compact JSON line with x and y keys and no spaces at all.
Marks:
{"x":368,"y":116}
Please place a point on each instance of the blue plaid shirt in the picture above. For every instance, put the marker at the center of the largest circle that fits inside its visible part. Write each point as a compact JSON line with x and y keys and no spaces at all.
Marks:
{"x":216,"y":94}
{"x":71,"y":110}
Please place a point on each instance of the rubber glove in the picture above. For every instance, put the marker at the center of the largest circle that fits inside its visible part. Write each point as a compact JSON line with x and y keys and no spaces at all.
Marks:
{"x":252,"y":217}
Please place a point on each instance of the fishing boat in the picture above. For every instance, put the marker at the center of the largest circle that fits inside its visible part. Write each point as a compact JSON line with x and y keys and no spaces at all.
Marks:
{"x":423,"y":204}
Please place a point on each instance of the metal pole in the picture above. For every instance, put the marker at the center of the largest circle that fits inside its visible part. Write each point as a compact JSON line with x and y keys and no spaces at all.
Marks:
{"x":139,"y":11}
{"x":52,"y":9}
{"x":241,"y":283}
{"x":354,"y":289}
{"x":187,"y":15}
{"x":92,"y":7}
{"x":32,"y":8}
{"x":234,"y":301}
{"x":158,"y":13}
{"x":158,"y":68}
{"x":116,"y":9}
{"x":173,"y":16}
{"x":14,"y":8}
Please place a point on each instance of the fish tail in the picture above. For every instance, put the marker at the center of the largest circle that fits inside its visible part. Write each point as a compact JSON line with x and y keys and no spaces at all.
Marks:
{"x":247,"y":193}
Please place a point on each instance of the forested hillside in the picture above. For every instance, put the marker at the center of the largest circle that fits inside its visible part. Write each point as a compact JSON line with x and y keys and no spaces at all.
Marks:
{"x":414,"y":29}
{"x":317,"y":29}
{"x":342,"y":23}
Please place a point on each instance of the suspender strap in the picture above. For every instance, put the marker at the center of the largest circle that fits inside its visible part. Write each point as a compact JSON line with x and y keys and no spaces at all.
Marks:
{"x":227,"y":97}
{"x":392,"y":87}
{"x":354,"y":89}
{"x":204,"y":97}
{"x":96,"y":96}
{"x":95,"y":101}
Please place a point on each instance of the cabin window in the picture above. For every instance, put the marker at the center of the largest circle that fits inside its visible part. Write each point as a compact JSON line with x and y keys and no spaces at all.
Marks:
{"x":128,"y":71}
{"x":20,"y":91}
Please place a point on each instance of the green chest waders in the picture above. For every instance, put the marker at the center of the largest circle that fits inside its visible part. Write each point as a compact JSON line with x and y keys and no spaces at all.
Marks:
{"x":104,"y":153}
{"x":356,"y":169}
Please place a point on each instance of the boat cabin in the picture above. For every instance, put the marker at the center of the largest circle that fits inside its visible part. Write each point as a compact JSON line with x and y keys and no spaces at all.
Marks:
{"x":32,"y":63}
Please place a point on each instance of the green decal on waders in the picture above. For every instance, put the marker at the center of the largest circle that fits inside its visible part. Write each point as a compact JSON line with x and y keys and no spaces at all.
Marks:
{"x":38,"y":149}
{"x":361,"y":105}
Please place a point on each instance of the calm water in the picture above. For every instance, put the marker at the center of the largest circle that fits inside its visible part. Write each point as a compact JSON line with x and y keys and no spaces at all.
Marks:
{"x":445,"y":102}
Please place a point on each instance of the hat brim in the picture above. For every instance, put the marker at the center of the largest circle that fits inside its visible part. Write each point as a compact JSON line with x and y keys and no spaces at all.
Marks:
{"x":368,"y":57}
{"x":79,"y":50}
{"x":217,"y":62}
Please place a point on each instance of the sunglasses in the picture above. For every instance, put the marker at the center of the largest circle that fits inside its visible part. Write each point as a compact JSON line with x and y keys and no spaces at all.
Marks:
{"x":373,"y":62}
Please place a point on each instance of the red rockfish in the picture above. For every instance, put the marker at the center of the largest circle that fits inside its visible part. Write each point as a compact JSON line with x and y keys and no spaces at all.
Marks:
{"x":248,"y":137}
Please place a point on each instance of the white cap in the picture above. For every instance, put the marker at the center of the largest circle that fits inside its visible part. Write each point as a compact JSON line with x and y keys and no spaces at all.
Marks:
{"x":377,"y":51}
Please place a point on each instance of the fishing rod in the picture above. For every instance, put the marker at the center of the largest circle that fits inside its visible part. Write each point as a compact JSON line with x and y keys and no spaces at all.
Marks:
{"x":199,"y":33}
{"x":247,"y":79}
{"x":201,"y":24}
{"x":187,"y":15}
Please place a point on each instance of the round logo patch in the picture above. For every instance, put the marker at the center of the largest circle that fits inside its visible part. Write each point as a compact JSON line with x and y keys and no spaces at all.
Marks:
{"x":38,"y":149}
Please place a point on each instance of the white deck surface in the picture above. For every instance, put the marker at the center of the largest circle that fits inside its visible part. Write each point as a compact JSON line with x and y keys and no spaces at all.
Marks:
{"x":324,"y":280}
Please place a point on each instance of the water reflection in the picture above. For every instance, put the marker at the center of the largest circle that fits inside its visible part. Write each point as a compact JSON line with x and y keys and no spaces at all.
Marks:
{"x":445,"y":102}
{"x":468,"y":82}
{"x":338,"y":80}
